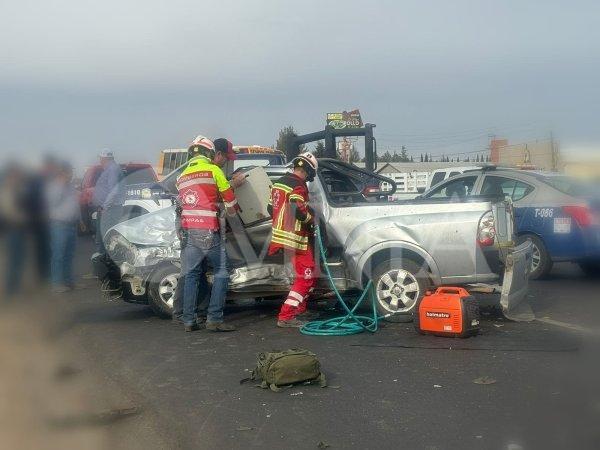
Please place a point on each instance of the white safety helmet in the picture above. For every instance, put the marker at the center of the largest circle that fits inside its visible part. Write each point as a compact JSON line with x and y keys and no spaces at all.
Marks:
{"x":201,"y":145}
{"x":308,"y":162}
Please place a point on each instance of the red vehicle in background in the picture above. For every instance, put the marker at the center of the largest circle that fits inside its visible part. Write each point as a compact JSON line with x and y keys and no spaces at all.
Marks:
{"x":133,"y":173}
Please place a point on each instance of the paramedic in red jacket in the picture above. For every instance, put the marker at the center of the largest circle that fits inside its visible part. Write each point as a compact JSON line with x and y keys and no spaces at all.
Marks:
{"x":292,"y":233}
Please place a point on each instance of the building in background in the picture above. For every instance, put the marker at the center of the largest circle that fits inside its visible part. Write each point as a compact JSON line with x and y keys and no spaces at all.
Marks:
{"x":540,"y":155}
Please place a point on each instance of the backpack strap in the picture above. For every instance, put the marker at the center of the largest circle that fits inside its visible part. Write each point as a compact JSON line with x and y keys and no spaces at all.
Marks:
{"x":322,"y":380}
{"x":250,"y":378}
{"x":275,"y":388}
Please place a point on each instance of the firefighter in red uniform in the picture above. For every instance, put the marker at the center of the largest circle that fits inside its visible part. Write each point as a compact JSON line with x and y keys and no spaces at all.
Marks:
{"x":292,"y":234}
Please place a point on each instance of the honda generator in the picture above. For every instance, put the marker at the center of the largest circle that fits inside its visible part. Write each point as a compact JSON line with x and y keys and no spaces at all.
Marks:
{"x":449,"y":312}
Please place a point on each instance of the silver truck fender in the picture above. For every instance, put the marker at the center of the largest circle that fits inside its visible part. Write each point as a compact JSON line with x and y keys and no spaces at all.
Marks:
{"x":359,"y":268}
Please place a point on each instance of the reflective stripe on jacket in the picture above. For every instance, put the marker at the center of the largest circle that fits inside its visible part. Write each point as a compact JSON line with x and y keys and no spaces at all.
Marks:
{"x":202,"y":185}
{"x":291,"y":214}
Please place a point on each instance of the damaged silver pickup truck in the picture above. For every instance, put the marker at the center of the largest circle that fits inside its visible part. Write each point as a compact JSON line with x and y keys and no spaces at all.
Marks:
{"x":405,"y":248}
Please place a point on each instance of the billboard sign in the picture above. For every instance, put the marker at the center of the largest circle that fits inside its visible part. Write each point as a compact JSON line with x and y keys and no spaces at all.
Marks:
{"x":346,"y":119}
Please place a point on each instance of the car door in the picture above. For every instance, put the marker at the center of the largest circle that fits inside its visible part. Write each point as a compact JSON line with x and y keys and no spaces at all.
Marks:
{"x":248,"y":243}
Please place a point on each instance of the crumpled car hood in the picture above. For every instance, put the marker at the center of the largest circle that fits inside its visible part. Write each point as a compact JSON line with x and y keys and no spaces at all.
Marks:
{"x":155,"y":228}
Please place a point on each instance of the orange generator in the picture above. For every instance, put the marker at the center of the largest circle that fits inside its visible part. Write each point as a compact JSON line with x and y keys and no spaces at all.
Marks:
{"x":450,"y":312}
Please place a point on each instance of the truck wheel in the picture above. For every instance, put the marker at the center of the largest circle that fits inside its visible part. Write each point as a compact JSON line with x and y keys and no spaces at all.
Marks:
{"x":541,"y":263}
{"x":399,"y":284}
{"x":161,"y":290}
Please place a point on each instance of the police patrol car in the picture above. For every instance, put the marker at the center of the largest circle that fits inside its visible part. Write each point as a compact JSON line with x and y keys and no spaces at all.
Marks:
{"x":558,"y":214}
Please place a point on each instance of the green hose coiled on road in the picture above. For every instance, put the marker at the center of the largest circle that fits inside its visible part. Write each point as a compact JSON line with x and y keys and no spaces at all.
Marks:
{"x":350,"y":323}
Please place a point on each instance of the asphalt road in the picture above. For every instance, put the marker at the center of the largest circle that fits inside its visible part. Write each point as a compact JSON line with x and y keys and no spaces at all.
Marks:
{"x":392,"y":389}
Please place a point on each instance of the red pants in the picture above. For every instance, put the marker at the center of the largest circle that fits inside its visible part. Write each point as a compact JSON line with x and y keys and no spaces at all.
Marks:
{"x":304,"y":281}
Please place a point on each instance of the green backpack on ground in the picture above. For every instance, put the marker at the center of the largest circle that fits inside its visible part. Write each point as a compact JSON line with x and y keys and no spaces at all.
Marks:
{"x":279,"y":369}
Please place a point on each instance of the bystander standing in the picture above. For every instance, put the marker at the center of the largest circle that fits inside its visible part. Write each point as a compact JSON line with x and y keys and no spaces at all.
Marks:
{"x":107,"y":197}
{"x":14,"y":221}
{"x":63,"y":210}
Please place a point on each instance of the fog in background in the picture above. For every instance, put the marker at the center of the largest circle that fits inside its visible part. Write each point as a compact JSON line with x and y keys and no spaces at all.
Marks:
{"x":436,"y":76}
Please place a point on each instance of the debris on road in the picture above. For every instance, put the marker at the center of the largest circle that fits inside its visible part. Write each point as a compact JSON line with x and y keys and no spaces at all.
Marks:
{"x":485,"y":381}
{"x":65,"y":372}
{"x":93,"y":419}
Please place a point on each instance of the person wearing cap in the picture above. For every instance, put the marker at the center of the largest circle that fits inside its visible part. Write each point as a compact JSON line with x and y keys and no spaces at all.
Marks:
{"x":107,"y":199}
{"x":62,"y":200}
{"x":223,"y":154}
{"x":202,"y":186}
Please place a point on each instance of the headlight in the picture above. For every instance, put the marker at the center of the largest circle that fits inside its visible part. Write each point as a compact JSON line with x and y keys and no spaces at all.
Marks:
{"x":148,"y":256}
{"x":121,"y":250}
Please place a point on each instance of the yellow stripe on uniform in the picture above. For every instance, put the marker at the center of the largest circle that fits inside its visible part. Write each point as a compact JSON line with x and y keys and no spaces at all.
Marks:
{"x":283,"y":187}
{"x":289,"y":243}
{"x":286,"y":235}
{"x":296,"y":197}
{"x":280,"y":218}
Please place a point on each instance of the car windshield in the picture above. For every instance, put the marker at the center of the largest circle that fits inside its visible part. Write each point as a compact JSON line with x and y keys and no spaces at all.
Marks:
{"x":170,"y":181}
{"x":345,"y":183}
{"x":139,"y":175}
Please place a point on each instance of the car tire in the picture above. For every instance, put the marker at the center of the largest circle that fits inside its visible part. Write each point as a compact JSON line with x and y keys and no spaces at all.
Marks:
{"x":399,"y":284}
{"x":541,"y":263}
{"x":591,"y":268}
{"x":161,"y":290}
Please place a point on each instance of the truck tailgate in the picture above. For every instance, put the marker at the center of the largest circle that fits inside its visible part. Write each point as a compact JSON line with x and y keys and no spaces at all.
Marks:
{"x":513,"y":299}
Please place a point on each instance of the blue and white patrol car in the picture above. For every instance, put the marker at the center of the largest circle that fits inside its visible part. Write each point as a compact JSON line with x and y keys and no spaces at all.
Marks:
{"x":559,"y":214}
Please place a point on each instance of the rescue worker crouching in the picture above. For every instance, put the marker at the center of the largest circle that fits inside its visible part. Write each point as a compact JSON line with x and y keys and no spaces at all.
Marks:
{"x":292,"y":232}
{"x":201,"y":187}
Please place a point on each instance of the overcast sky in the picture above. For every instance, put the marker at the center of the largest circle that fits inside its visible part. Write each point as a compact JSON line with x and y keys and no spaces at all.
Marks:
{"x":437,"y":76}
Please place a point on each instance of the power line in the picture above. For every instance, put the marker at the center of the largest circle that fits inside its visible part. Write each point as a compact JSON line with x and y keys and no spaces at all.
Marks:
{"x":462,"y":133}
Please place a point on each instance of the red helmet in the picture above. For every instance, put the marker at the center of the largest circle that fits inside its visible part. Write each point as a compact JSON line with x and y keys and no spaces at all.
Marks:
{"x":308,"y":162}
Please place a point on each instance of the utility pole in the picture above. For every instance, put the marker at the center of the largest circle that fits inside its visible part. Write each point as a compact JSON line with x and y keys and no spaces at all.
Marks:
{"x":556,"y":160}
